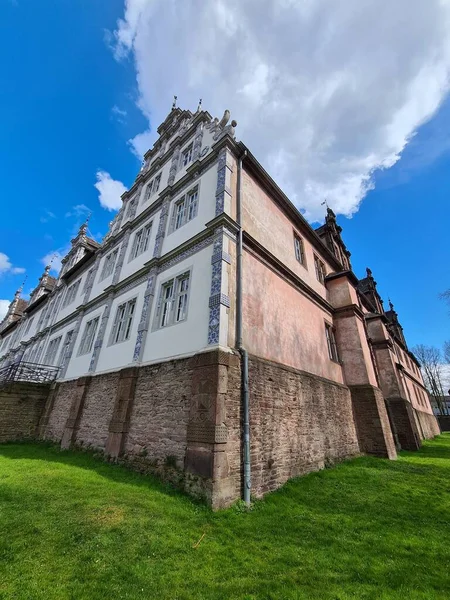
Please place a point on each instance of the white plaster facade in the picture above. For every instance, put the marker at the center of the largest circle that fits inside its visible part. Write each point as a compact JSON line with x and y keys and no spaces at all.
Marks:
{"x":53,"y":325}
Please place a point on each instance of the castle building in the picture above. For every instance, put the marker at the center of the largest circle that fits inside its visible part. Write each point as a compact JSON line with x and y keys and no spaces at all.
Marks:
{"x":214,"y":337}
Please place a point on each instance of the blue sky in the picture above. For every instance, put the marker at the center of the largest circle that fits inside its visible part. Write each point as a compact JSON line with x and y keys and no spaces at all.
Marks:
{"x":69,"y":109}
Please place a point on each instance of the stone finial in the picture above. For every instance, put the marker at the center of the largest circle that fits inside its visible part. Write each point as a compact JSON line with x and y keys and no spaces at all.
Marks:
{"x":225,"y":119}
{"x":199,"y":107}
{"x":369,"y":272}
{"x":391,"y":306}
{"x":174,"y":105}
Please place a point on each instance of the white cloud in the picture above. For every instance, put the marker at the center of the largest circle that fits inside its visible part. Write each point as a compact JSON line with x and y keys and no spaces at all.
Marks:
{"x":54,"y":260}
{"x":4,"y":305}
{"x":7,"y":267}
{"x":324,"y":92}
{"x":118,"y":113}
{"x":110,"y":191}
{"x":47,"y":216}
{"x":79,"y":210}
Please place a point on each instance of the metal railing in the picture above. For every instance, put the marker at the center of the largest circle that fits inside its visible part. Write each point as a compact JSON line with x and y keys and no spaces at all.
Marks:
{"x":28,"y":372}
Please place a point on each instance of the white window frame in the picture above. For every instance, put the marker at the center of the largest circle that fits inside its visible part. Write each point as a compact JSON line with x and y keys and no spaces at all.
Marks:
{"x":29,"y":324}
{"x":52,"y":350}
{"x":173,"y":304}
{"x":141,"y":241}
{"x":331,"y":342}
{"x":185,"y":209}
{"x":186,"y":155}
{"x":86,"y":281}
{"x":71,"y":294}
{"x":88,"y":337}
{"x":109,"y":263}
{"x":123,"y":322}
{"x":152,"y":187}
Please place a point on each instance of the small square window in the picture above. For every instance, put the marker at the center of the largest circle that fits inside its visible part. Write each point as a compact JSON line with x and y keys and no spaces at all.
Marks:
{"x":331,"y":342}
{"x":186,"y":156}
{"x":299,"y":249}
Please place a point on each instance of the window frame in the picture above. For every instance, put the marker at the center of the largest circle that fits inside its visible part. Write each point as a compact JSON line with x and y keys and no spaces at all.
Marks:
{"x":52,"y":350}
{"x":152,"y":187}
{"x":70,"y":295}
{"x":107,"y":260}
{"x":122,"y":326}
{"x":181,"y":209}
{"x":187,"y":154}
{"x":28,"y":327}
{"x":330,"y":336}
{"x":299,"y":249}
{"x":320,"y":269}
{"x":168,"y":306}
{"x":85,"y":348}
{"x":141,"y":244}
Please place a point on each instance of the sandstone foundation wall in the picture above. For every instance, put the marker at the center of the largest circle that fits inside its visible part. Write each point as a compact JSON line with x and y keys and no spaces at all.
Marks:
{"x":428,"y":424}
{"x":298,"y":423}
{"x":21,"y":407}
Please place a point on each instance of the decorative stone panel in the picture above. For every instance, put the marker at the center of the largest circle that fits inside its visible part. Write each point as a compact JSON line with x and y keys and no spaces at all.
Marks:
{"x":145,"y":316}
{"x":223,"y":189}
{"x":218,"y":299}
{"x":101,"y":334}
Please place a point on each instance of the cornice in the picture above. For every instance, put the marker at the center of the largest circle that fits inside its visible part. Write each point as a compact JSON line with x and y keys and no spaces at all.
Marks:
{"x":347,"y":273}
{"x":278,"y":196}
{"x":350,"y":309}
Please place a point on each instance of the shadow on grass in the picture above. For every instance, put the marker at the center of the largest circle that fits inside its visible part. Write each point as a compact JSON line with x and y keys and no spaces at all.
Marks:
{"x":95,"y":462}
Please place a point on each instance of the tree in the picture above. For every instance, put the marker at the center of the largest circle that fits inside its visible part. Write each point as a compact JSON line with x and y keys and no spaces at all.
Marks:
{"x":431,"y":360}
{"x":447,"y":352}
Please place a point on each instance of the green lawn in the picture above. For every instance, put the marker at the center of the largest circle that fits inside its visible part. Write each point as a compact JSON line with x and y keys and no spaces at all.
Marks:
{"x":74,"y":527}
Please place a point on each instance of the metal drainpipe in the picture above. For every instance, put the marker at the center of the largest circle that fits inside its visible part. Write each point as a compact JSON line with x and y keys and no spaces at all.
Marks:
{"x":239,"y":344}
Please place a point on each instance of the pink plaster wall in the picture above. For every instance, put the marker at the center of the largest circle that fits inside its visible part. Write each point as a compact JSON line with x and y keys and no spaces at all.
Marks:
{"x":283,"y":325}
{"x":264,"y":220}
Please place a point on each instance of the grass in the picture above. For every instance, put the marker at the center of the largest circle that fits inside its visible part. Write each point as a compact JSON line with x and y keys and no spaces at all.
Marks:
{"x":73,"y":527}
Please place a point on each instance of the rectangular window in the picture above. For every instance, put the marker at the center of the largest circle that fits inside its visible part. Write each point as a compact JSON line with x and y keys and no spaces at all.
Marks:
{"x":71,"y":293}
{"x":141,"y":241}
{"x":52,"y":349}
{"x":320,"y":269}
{"x":152,"y":187}
{"x":108,"y":265}
{"x":182,"y":299}
{"x":87,"y":341}
{"x":192,"y":201}
{"x":174,"y":299}
{"x":87,"y":280}
{"x":185,"y":209}
{"x":180,"y":210}
{"x":299,"y":249}
{"x":130,"y":208}
{"x":122,"y":323}
{"x":186,"y":156}
{"x":331,"y":342}
{"x":30,"y":323}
